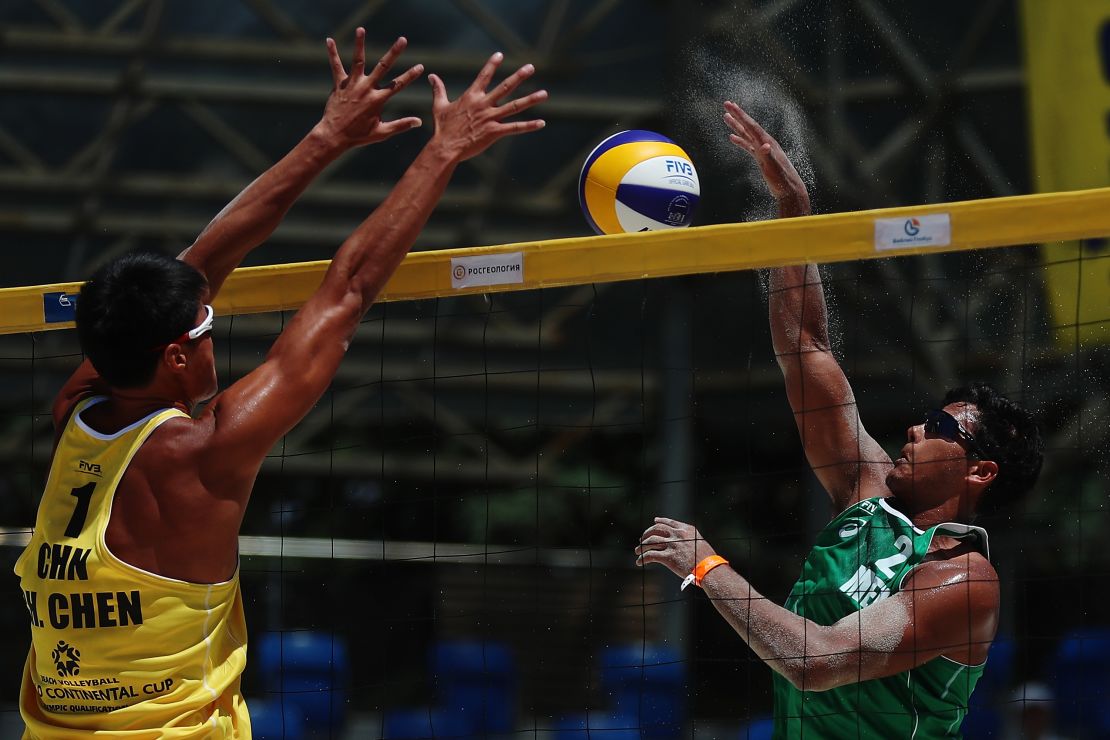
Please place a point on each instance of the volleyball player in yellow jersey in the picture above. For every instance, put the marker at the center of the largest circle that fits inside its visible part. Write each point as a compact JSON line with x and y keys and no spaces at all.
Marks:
{"x":131,"y":577}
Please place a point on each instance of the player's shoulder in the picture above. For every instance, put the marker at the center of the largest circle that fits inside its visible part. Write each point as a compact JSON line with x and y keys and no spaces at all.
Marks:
{"x":176,"y":441}
{"x":191,"y":450}
{"x":965,"y":588}
{"x":960,"y":563}
{"x":177,"y":458}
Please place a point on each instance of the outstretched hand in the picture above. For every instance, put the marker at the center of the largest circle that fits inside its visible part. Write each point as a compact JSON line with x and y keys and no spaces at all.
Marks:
{"x":778,"y":171}
{"x":352,"y":116}
{"x":672,"y":543}
{"x":468,"y":125}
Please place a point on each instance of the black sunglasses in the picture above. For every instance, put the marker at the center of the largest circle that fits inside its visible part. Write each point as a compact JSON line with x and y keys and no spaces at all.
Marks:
{"x":944,"y":425}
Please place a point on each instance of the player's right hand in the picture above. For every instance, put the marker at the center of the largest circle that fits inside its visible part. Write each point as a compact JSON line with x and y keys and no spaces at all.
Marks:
{"x":467,"y":126}
{"x":778,"y":171}
{"x":672,"y":543}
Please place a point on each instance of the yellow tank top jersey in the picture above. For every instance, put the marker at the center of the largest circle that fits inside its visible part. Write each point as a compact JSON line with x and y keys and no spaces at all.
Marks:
{"x":117,"y":650}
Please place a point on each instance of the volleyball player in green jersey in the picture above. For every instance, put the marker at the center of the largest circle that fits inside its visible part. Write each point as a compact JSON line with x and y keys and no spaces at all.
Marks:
{"x":886,"y":632}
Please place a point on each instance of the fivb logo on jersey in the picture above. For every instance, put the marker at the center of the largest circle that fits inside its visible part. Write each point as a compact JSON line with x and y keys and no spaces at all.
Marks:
{"x":88,"y":468}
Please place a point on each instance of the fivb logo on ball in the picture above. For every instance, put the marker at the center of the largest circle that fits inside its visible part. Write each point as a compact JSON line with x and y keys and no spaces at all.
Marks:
{"x":638,"y":181}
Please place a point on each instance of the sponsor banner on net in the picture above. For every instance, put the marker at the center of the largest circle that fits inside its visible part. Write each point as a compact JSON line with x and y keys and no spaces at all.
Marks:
{"x":487,"y":269}
{"x":934,"y":230}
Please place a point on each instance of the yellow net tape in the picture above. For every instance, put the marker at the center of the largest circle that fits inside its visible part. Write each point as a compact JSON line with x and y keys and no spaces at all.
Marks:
{"x":997,"y":222}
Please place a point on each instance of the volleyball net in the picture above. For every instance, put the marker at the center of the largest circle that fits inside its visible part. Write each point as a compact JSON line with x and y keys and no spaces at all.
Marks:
{"x":443,"y":547}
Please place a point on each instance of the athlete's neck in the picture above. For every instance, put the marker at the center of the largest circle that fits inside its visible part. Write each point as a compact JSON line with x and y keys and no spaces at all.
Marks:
{"x":946,"y":511}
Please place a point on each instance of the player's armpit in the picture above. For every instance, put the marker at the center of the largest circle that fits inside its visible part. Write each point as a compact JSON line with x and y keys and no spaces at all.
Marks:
{"x":947,"y":608}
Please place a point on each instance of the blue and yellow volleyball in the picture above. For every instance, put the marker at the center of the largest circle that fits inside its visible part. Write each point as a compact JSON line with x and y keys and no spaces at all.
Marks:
{"x":638,"y":181}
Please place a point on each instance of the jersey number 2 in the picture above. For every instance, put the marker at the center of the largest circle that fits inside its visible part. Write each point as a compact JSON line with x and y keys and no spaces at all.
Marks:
{"x":81,"y":510}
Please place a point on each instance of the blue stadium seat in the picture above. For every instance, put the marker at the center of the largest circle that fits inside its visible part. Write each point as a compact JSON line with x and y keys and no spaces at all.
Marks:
{"x":477,"y":682}
{"x":424,"y":723}
{"x":600,"y":725}
{"x":760,"y":728}
{"x":648,"y":683}
{"x":1080,"y":677}
{"x":986,"y":708}
{"x":308,"y":673}
{"x":475,"y":687}
{"x":267,"y":722}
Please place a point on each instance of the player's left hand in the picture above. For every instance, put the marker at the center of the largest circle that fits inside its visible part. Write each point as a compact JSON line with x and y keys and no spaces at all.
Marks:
{"x":672,"y":543}
{"x":353,"y":114}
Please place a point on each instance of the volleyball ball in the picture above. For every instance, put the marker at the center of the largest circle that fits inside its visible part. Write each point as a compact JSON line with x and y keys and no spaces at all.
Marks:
{"x":638,"y":181}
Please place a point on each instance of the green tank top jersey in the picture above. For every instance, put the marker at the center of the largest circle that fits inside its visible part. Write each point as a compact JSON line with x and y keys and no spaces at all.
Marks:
{"x":860,"y":558}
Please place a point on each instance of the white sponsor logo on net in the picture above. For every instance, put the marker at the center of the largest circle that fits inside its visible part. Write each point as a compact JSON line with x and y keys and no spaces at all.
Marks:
{"x":487,"y":269}
{"x":934,"y":230}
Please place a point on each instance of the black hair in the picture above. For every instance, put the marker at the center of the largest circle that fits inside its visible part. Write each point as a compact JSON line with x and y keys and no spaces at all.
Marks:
{"x":131,"y":307}
{"x":1007,"y":434}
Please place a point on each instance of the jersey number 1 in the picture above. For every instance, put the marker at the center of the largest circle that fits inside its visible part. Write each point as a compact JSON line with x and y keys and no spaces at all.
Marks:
{"x":81,"y":510}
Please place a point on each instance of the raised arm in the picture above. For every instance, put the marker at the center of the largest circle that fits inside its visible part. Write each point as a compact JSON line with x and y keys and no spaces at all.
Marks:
{"x":255,"y":412}
{"x":947,"y":607}
{"x":849,"y":463}
{"x":352,"y":118}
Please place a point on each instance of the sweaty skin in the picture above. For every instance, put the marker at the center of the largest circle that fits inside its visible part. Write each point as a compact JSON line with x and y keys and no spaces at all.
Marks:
{"x":180,"y":504}
{"x":949,"y":604}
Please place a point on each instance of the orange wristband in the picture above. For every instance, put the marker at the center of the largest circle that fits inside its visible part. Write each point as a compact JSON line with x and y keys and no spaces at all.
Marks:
{"x":702,"y":568}
{"x":706,"y":566}
{"x":700,"y":571}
